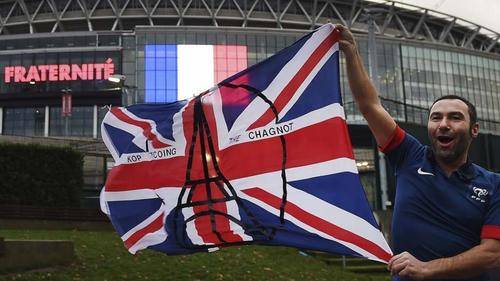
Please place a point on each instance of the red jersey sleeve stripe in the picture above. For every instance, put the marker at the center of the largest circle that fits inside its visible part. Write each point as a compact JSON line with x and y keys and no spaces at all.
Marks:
{"x":394,"y":140}
{"x":490,"y":232}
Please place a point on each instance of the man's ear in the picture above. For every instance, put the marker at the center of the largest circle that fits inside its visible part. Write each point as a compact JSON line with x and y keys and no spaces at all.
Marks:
{"x":474,"y":130}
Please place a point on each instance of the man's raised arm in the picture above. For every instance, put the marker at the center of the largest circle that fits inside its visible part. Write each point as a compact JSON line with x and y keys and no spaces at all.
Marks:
{"x":380,"y":122}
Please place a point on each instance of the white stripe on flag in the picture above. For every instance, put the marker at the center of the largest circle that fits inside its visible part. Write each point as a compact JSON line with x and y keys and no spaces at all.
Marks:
{"x":272,"y":183}
{"x":334,"y":110}
{"x":325,"y":211}
{"x":233,"y":210}
{"x":155,"y":238}
{"x":339,"y":165}
{"x":107,"y":139}
{"x":150,"y":122}
{"x":191,"y":230}
{"x":139,"y":139}
{"x":307,"y":81}
{"x":195,"y":66}
{"x":258,"y":106}
{"x":149,"y":239}
{"x":165,"y":193}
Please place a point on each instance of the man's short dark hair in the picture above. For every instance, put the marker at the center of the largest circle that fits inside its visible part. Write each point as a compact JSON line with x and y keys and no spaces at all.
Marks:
{"x":470,"y":106}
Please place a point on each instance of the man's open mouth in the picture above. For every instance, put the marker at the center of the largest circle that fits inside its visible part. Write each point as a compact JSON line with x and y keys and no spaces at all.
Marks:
{"x":445,"y":139}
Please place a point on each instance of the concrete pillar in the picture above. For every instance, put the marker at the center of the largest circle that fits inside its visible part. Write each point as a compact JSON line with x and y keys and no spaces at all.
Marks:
{"x":383,"y":179}
{"x":372,"y":64}
{"x":46,"y":122}
{"x":1,"y":120}
{"x":94,"y":123}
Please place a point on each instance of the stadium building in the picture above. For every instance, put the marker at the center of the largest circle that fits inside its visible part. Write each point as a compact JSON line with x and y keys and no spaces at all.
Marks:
{"x":56,"y":58}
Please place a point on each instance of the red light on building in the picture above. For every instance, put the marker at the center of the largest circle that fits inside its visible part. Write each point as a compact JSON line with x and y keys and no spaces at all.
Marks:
{"x":59,"y":72}
{"x":66,"y":105}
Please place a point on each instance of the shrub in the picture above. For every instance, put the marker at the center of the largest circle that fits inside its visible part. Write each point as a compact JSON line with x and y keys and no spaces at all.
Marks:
{"x":40,"y":175}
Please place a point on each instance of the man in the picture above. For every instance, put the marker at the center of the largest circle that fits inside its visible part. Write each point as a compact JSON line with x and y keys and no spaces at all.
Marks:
{"x":446,"y":221}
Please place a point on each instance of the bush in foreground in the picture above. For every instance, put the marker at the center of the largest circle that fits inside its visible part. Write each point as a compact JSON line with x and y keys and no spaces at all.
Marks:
{"x":40,"y":175}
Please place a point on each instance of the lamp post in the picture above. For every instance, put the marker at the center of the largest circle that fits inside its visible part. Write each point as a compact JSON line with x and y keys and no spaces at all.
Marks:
{"x":127,"y":96}
{"x":119,"y":81}
{"x":371,"y":13}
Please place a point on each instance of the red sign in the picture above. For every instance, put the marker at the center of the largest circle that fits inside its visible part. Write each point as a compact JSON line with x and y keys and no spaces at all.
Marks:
{"x":59,"y":72}
{"x":66,"y":105}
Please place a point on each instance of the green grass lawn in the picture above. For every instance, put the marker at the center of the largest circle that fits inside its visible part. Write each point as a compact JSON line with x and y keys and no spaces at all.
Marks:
{"x":101,"y":256}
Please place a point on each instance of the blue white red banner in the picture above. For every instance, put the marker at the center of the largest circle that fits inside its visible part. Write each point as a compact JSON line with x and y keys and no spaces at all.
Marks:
{"x":169,"y":69}
{"x":264,"y":157}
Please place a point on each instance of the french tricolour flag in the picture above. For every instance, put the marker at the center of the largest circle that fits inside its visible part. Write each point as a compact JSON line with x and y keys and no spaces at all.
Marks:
{"x":177,"y":72}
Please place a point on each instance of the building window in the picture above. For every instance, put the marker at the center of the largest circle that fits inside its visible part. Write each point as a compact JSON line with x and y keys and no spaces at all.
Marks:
{"x":24,"y":121}
{"x":79,"y":124}
{"x":365,"y":162}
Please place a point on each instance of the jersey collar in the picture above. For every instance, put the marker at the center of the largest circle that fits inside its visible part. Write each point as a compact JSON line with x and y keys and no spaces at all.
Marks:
{"x":466,"y":172}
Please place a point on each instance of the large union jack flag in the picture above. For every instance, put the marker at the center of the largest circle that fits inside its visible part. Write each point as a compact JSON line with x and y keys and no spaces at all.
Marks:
{"x":264,"y":157}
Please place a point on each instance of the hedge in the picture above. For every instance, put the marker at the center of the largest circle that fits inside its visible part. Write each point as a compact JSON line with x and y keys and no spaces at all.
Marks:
{"x":40,"y":175}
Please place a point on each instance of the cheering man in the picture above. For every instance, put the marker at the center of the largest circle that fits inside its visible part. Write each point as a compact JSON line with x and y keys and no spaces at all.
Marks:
{"x":446,"y":221}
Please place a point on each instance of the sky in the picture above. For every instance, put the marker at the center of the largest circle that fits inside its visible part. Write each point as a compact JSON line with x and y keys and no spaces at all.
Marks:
{"x":482,"y":12}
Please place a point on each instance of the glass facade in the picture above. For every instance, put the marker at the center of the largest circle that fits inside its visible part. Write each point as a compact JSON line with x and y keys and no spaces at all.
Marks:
{"x":389,"y":75}
{"x":431,"y":73}
{"x":365,"y":162}
{"x":54,"y":41}
{"x":411,"y":77}
{"x":79,"y":124}
{"x":24,"y":121}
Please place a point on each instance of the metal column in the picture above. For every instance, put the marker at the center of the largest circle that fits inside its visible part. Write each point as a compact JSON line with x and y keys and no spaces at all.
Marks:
{"x":372,"y":66}
{"x":46,"y":122}
{"x":94,"y":123}
{"x":1,"y":120}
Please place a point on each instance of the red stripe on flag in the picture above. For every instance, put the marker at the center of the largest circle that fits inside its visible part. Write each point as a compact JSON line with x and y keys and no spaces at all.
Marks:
{"x":155,"y":225}
{"x":203,"y":223}
{"x":301,"y":75}
{"x":319,"y":223}
{"x":145,"y":126}
{"x":317,"y":143}
{"x":149,"y":174}
{"x":221,"y":222}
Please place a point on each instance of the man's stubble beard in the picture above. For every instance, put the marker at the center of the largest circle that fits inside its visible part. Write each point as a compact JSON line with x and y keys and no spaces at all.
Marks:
{"x":461,"y":145}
